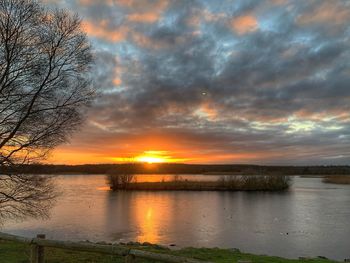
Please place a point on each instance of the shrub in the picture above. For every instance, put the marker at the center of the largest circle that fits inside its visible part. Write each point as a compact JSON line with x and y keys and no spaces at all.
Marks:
{"x":120,"y":181}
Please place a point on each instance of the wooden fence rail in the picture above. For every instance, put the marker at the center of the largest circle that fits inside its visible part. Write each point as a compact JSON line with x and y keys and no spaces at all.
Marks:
{"x":39,"y":243}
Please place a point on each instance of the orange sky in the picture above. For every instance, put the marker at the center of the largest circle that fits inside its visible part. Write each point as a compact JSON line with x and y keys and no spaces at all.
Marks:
{"x":63,"y":156}
{"x":153,"y":147}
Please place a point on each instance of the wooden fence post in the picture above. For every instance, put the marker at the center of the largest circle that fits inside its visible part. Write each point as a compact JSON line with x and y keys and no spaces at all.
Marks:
{"x":37,"y":252}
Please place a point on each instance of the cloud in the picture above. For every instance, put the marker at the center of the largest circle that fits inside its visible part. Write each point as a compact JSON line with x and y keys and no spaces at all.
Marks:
{"x":93,"y":2}
{"x":240,"y":81}
{"x":328,"y":12}
{"x":144,"y":18}
{"x":145,"y":11}
{"x":101,"y":30}
{"x":244,"y":24}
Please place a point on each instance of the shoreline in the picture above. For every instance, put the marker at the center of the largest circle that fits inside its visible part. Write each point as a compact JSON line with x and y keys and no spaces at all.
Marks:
{"x":17,"y":252}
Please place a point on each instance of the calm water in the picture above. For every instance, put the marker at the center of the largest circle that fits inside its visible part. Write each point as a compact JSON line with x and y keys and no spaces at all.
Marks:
{"x":311,"y":219}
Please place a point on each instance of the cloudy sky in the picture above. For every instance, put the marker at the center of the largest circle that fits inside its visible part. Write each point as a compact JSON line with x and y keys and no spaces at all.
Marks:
{"x":204,"y":81}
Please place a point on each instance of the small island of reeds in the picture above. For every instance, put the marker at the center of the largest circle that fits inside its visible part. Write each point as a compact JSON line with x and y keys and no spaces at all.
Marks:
{"x":224,"y":183}
{"x":337,"y":179}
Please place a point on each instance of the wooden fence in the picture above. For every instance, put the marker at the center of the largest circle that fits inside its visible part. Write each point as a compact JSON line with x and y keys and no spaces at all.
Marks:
{"x":39,"y":243}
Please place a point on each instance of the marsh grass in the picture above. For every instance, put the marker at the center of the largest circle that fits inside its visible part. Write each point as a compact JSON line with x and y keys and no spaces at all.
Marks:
{"x":224,"y":183}
{"x":337,"y":179}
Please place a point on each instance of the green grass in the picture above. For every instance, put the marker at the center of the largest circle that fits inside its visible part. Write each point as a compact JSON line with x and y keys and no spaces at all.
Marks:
{"x":18,"y":253}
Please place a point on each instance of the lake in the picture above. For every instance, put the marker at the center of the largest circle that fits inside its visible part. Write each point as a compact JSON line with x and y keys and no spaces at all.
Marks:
{"x":311,"y":219}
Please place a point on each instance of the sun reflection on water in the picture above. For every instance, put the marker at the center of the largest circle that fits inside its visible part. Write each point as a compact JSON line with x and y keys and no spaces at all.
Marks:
{"x":146,"y":218}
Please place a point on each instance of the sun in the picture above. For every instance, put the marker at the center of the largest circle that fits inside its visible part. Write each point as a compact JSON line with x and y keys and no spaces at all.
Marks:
{"x":153,"y":157}
{"x":150,"y":159}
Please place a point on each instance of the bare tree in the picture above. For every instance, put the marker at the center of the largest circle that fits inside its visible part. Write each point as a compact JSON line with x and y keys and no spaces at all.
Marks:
{"x":45,"y":60}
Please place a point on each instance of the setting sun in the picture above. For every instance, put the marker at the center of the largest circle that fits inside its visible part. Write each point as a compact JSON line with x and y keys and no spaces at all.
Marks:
{"x":150,"y":159}
{"x":154,"y":157}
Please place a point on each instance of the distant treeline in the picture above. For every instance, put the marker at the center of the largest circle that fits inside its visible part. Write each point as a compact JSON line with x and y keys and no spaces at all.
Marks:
{"x":140,"y":168}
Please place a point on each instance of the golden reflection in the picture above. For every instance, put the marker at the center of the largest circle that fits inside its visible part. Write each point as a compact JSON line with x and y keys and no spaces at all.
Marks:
{"x":150,"y":216}
{"x":146,"y":217}
{"x":103,"y":188}
{"x":149,"y":213}
{"x":151,"y":178}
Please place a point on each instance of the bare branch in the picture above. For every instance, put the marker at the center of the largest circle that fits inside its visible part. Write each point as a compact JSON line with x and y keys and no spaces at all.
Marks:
{"x":45,"y":62}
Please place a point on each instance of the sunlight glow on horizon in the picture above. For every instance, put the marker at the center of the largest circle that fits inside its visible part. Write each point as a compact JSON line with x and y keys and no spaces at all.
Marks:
{"x":187,"y":155}
{"x":150,"y":157}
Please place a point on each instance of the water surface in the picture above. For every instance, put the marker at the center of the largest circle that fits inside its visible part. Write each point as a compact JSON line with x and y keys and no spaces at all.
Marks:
{"x":311,"y":219}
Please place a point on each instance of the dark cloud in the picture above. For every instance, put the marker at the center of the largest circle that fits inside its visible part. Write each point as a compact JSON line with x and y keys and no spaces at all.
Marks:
{"x":264,"y":80}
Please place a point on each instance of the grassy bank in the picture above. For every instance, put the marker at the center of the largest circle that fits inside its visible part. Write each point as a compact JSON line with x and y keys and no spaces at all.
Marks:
{"x":224,"y":183}
{"x":18,"y":253}
{"x":337,"y":179}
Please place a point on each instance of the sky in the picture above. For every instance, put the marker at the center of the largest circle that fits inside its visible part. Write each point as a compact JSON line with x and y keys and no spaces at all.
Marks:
{"x":204,"y":81}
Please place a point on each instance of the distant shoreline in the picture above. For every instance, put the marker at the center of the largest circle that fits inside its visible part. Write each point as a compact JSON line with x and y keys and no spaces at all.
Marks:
{"x":177,"y":168}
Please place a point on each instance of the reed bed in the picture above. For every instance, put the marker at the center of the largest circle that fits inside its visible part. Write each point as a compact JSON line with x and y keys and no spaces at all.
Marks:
{"x":224,"y":183}
{"x":337,"y":179}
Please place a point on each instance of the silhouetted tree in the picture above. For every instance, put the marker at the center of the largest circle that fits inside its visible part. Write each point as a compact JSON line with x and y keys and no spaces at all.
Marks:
{"x":45,"y":60}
